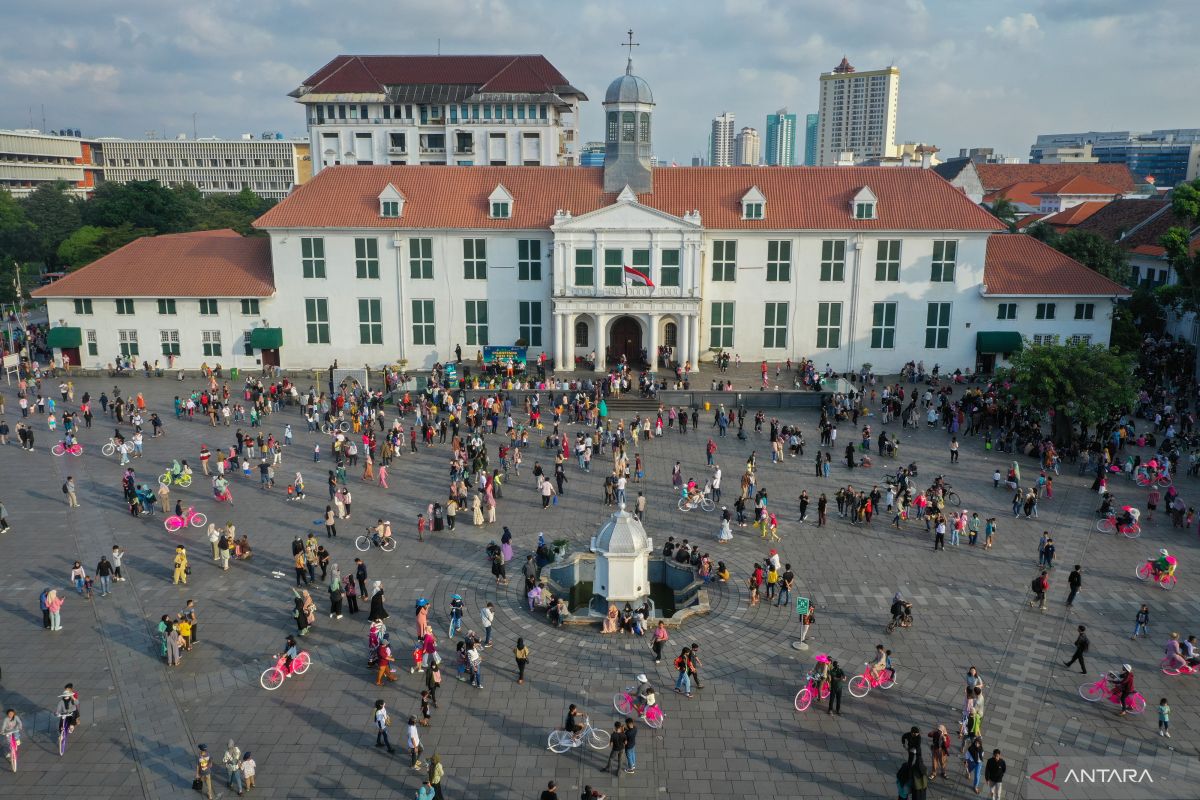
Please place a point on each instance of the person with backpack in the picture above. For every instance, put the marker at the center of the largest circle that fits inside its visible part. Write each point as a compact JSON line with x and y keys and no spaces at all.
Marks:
{"x":1039,"y":586}
{"x":683,"y":684}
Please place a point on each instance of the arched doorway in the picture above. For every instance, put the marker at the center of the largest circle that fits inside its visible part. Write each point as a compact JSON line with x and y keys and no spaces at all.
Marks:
{"x":625,"y":339}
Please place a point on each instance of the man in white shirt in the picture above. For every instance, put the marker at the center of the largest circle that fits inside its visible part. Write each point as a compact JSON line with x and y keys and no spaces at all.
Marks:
{"x":487,"y":616}
{"x":621,"y":481}
{"x":716,"y":484}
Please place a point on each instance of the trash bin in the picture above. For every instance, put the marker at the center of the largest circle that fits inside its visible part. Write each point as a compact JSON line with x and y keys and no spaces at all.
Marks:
{"x":233,"y":374}
{"x":707,"y":406}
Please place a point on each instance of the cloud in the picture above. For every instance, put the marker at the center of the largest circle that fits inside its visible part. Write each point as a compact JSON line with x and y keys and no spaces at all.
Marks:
{"x":1023,"y":30}
{"x":75,"y":75}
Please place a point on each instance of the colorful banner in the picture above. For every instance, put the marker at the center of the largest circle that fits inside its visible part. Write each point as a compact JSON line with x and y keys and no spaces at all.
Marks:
{"x":501,"y":355}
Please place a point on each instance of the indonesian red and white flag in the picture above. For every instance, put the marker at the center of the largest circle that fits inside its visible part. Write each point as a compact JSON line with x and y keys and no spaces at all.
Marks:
{"x":640,"y":276}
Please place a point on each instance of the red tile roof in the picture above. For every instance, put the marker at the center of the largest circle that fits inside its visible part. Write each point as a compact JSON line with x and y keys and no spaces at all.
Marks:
{"x":1120,"y":217}
{"x":798,"y":198}
{"x":1077,"y":184}
{"x":1020,"y":192}
{"x":1018,"y":264}
{"x":349,"y":74}
{"x":1070,"y":217}
{"x":1027,"y":220}
{"x":997,"y":176}
{"x":220,"y":263}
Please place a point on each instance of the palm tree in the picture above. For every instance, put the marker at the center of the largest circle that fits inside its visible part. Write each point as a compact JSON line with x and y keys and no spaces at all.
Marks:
{"x":1004,"y":210}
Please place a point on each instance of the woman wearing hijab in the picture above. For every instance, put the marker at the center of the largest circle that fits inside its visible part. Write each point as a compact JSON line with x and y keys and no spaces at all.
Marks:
{"x":610,"y":620}
{"x":310,"y":610}
{"x":174,"y":645}
{"x":164,"y":626}
{"x":506,"y":545}
{"x":335,"y":593}
{"x":377,"y":609}
{"x":477,"y":511}
{"x":299,"y":614}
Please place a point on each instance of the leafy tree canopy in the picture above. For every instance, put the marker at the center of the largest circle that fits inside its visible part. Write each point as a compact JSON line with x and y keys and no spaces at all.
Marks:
{"x":1082,"y":382}
{"x":143,"y":204}
{"x":1185,"y":203}
{"x":54,"y":215}
{"x":1089,"y":249}
{"x":90,"y":243}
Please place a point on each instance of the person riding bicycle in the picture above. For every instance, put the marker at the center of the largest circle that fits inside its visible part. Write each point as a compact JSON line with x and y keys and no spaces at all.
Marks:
{"x":879,"y":663}
{"x":175,"y":470}
{"x":12,"y":726}
{"x":1122,"y":684}
{"x":644,"y":698}
{"x":1164,"y":564}
{"x":290,"y":652}
{"x":574,"y":722}
{"x":68,"y":708}
{"x":819,"y":673}
{"x":1174,"y":652}
{"x":1191,"y":653}
{"x":900,"y":609}
{"x":1129,"y":517}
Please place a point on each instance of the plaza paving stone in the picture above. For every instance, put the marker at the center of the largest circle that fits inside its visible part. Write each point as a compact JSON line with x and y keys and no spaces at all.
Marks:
{"x":740,"y":736}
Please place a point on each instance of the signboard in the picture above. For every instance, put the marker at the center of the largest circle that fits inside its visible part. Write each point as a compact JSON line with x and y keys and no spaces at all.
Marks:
{"x":452,"y":376}
{"x":501,"y":355}
{"x":802,"y":605}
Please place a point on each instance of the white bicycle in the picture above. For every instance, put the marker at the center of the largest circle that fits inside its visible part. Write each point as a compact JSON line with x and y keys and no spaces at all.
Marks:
{"x":561,"y":741}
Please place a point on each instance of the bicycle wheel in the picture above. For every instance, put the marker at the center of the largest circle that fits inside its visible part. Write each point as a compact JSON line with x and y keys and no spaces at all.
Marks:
{"x":859,"y":686}
{"x":953,"y":498}
{"x":199,"y":520}
{"x":1105,"y":525}
{"x":12,"y":753}
{"x":558,"y":742}
{"x":891,"y":626}
{"x":1143,"y":572}
{"x":1091,"y":691}
{"x":164,"y":479}
{"x":62,"y":738}
{"x":272,"y":679}
{"x":1132,"y":532}
{"x":172,"y":523}
{"x":1137,"y":703}
{"x":108,"y":449}
{"x":598,"y":738}
{"x":1164,"y":482}
{"x":362,"y":543}
{"x":803,"y":700}
{"x":1168,"y":582}
{"x":185,"y":481}
{"x":76,"y":450}
{"x":387,"y":545}
{"x":824,"y":690}
{"x":58,"y":449}
{"x":707,"y":504}
{"x":886,"y":683}
{"x":1168,"y":666}
{"x":301,"y":663}
{"x":682,"y":504}
{"x":1142,"y":480}
{"x":343,"y":426}
{"x":623,"y":703}
{"x":654,"y":717}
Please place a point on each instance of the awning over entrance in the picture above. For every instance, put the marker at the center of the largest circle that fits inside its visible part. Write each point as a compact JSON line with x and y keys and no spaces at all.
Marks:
{"x":266,"y":338}
{"x":64,"y":337}
{"x":998,"y":342}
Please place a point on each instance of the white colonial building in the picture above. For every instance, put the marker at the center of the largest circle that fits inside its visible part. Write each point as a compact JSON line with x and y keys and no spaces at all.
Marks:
{"x":846,"y":266}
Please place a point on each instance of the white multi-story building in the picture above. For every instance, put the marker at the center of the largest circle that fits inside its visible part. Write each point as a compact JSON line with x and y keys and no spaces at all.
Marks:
{"x":269,"y":167}
{"x":460,"y":110}
{"x":857,"y":113}
{"x":747,"y":148}
{"x":721,"y":146}
{"x":30,"y":158}
{"x":846,"y":266}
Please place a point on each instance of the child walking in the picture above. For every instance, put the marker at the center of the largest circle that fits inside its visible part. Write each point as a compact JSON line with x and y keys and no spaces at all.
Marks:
{"x":1164,"y":718}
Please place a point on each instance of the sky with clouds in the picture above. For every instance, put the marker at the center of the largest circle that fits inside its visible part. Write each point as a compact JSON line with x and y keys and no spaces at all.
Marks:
{"x":972,"y":73}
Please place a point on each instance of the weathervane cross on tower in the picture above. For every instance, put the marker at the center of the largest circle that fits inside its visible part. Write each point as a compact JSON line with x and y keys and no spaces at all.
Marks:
{"x":630,"y":44}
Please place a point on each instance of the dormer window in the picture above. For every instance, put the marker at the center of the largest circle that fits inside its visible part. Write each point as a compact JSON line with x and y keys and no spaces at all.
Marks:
{"x":391,"y":202}
{"x":754,"y":204}
{"x":500,"y":203}
{"x":863,"y":206}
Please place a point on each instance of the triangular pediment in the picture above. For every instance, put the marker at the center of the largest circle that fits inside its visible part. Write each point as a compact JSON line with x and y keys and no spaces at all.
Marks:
{"x":627,"y":214}
{"x":865,"y":195}
{"x":500,"y":195}
{"x":755,"y":195}
{"x":390,"y":192}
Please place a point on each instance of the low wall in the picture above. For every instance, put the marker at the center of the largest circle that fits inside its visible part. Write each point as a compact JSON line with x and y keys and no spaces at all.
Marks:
{"x":691,"y":595}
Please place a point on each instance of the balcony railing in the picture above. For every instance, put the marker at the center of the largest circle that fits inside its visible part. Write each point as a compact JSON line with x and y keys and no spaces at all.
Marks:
{"x":643,"y":292}
{"x":397,"y":151}
{"x":427,"y":149}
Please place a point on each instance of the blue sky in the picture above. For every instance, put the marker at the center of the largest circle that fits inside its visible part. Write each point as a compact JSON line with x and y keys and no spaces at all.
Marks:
{"x":972,"y":73}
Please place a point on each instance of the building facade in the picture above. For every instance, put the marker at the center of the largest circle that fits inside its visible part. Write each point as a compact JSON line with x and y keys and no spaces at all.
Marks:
{"x":720,"y":151}
{"x":374,"y":264}
{"x":459,"y":110}
{"x":1169,"y":156}
{"x":812,"y":132}
{"x":30,"y":158}
{"x":268,"y":167}
{"x":781,"y":139}
{"x":857,"y":113}
{"x":747,"y":148}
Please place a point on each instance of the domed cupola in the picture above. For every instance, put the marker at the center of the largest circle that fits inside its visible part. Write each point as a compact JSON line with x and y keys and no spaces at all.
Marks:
{"x":628,"y":106}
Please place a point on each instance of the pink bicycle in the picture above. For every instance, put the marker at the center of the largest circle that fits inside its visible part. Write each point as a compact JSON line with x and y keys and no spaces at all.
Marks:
{"x":1092,"y":692}
{"x":1165,"y":580}
{"x":809,"y":694}
{"x":1170,"y":666}
{"x":1147,"y":479}
{"x":1108,"y":524}
{"x":190,"y":517}
{"x":273,"y":677}
{"x":860,"y":685}
{"x":62,"y":448}
{"x":629,"y":701}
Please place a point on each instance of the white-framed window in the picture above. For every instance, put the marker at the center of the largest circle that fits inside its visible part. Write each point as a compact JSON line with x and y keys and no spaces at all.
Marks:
{"x":641,"y":261}
{"x":720,"y":325}
{"x":864,"y":210}
{"x":1080,"y":338}
{"x":669,"y":271}
{"x":581,"y":334}
{"x":389,"y":208}
{"x":420,"y":259}
{"x":937,"y":326}
{"x":887,"y":260}
{"x":529,"y":259}
{"x":366,"y":258}
{"x":316,"y":318}
{"x":530,"y":320}
{"x":423,"y":326}
{"x":124,"y":306}
{"x":93,"y":348}
{"x":779,"y":261}
{"x":1006,"y":311}
{"x":883,"y":326}
{"x":1045,"y":338}
{"x":208,"y":307}
{"x":170,"y":342}
{"x":247,"y":347}
{"x":370,"y":320}
{"x":477,"y":322}
{"x":775,"y":325}
{"x":724,"y":264}
{"x":833,"y":260}
{"x":166,"y":307}
{"x":752,"y":210}
{"x":1085,"y":311}
{"x":211,"y":343}
{"x":83,"y":306}
{"x":1045,"y":311}
{"x":945,"y":257}
{"x":829,"y":325}
{"x":585,"y":268}
{"x":501,"y":209}
{"x":129,"y":342}
{"x":250,"y":307}
{"x":475,"y":259}
{"x":312,"y":256}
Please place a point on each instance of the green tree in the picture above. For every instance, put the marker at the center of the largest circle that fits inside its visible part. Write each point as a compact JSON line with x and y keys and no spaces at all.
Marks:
{"x":1095,"y":252}
{"x":89,"y":243}
{"x":17,"y":236}
{"x":1042,"y":232}
{"x":1083,"y":383}
{"x":236,"y":211}
{"x":1185,"y":295}
{"x":1005,"y":210}
{"x":143,"y":204}
{"x":54,"y":215}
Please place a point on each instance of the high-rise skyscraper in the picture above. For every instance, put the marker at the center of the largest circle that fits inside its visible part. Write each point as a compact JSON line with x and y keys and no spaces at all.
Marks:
{"x":781,"y":139}
{"x":721,"y":143}
{"x":747,"y":148}
{"x":857,"y":113}
{"x":812,"y":124}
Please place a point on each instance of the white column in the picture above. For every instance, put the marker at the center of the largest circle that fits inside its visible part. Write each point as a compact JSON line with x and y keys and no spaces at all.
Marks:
{"x":652,"y":350}
{"x":601,"y":347}
{"x":558,"y":337}
{"x":683,"y":345}
{"x":567,"y":361}
{"x":694,"y":343}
